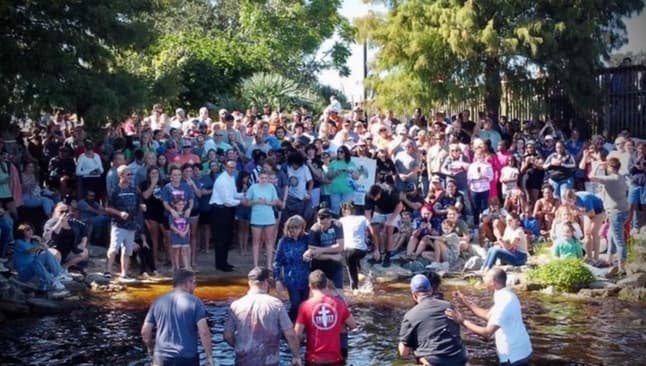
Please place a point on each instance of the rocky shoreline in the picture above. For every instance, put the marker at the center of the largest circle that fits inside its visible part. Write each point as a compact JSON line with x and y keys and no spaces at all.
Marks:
{"x":19,"y":299}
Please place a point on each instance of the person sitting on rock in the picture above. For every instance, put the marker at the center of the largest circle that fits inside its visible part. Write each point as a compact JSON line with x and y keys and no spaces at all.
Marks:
{"x":568,"y":246}
{"x":492,"y":222}
{"x":34,"y":260}
{"x":67,"y":236}
{"x":446,"y":248}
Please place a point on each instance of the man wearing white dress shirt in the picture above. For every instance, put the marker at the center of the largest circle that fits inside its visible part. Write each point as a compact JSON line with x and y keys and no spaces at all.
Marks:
{"x":224,"y":199}
{"x":504,"y":320}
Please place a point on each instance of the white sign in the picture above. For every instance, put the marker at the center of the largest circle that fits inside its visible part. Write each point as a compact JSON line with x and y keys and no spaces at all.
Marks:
{"x":367,"y":174}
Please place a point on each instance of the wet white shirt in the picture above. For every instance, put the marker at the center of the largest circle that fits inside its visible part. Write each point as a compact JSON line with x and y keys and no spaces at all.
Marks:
{"x":512,"y":340}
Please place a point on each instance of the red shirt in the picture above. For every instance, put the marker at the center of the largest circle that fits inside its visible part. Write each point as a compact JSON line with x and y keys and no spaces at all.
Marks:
{"x":324,"y":319}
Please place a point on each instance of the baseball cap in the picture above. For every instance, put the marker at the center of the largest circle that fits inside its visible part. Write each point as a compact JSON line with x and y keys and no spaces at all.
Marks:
{"x":187,"y":143}
{"x":620,"y":140}
{"x":435,"y":179}
{"x":222,"y":112}
{"x":549,"y":137}
{"x":401,"y":130}
{"x":259,"y":274}
{"x":420,"y":283}
{"x":324,"y":213}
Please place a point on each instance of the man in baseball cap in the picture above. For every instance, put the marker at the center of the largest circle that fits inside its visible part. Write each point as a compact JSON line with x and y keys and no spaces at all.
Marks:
{"x":426,"y":332}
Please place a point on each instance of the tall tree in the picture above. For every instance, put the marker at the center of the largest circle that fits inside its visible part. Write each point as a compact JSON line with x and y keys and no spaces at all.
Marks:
{"x":433,"y":50}
{"x":60,"y":54}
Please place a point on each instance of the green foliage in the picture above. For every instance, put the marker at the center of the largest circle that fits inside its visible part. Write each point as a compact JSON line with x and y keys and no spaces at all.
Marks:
{"x":104,"y":59}
{"x":433,"y":50}
{"x":274,"y":89}
{"x":568,"y":274}
{"x":60,"y":54}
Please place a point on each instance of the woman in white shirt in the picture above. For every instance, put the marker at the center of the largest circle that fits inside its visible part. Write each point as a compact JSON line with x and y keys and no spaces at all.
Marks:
{"x":355,"y":248}
{"x":89,"y":169}
{"x":512,"y":248}
{"x":479,"y":176}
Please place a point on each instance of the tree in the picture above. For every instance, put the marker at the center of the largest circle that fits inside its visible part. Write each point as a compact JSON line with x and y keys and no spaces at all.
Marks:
{"x":433,"y":50}
{"x":61,"y":54}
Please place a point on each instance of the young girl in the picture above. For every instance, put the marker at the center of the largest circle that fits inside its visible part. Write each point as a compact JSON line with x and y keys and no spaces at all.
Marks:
{"x":180,"y":240}
{"x":509,"y":176}
{"x":568,"y":246}
{"x":243,"y":213}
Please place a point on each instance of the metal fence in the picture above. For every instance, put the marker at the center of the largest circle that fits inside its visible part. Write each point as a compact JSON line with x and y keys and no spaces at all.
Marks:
{"x":620,"y":96}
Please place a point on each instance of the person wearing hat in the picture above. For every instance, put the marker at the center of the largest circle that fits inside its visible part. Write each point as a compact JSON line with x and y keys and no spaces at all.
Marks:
{"x":255,"y":323}
{"x":323,"y":318}
{"x":401,"y":137}
{"x":504,"y":320}
{"x":426,"y":332}
{"x":326,"y":246}
{"x":180,"y":317}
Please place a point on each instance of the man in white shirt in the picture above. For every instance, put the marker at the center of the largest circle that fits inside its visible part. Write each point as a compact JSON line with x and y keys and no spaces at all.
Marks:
{"x":224,"y":199}
{"x":504,"y":320}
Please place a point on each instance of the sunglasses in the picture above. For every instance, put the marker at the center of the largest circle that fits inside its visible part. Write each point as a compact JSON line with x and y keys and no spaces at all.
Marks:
{"x":324,"y":217}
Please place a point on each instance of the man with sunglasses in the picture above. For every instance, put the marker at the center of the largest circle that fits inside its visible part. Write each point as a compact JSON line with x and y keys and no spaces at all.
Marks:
{"x":124,"y":205}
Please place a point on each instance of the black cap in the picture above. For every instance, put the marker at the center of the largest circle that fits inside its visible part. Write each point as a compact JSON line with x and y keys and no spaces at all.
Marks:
{"x":259,"y":274}
{"x":324,"y":212}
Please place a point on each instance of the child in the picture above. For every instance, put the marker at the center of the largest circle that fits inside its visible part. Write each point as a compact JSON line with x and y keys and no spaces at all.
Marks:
{"x":446,"y":248}
{"x":420,"y":238}
{"x":179,"y":236}
{"x":405,"y":231}
{"x":145,"y":257}
{"x":568,"y":246}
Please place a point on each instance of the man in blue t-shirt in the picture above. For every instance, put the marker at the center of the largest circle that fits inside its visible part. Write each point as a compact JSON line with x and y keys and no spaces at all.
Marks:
{"x":179,"y":317}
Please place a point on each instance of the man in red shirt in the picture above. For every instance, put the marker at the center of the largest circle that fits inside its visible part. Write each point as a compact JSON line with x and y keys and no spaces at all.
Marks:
{"x":323,"y":317}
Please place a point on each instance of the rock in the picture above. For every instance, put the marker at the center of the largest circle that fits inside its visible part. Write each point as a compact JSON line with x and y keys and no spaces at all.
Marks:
{"x":388,"y":274}
{"x":26,"y":286}
{"x":58,"y":295}
{"x":549,"y":290}
{"x":474,"y":263}
{"x":600,"y":285}
{"x":637,"y":322}
{"x":632,"y":294}
{"x":634,"y":268}
{"x":603,"y":292}
{"x":530,"y":286}
{"x":513,"y":279}
{"x":98,"y":279}
{"x":612,"y":272}
{"x":635,"y":281}
{"x":97,"y":251}
{"x":11,"y":307}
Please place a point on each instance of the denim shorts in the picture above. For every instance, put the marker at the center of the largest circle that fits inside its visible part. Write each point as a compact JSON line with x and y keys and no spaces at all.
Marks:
{"x":637,"y":195}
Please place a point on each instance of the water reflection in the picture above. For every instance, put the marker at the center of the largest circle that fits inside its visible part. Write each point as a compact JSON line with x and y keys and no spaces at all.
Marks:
{"x":563,"y":331}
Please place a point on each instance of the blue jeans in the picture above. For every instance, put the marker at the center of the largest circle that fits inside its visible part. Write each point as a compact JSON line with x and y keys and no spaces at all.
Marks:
{"x":6,"y":233}
{"x":480,"y":203}
{"x":637,"y":196}
{"x":39,"y":201}
{"x":45,"y":267}
{"x":616,"y":234}
{"x":336,"y":199}
{"x":561,"y":186}
{"x":296,"y":297}
{"x":513,"y":258}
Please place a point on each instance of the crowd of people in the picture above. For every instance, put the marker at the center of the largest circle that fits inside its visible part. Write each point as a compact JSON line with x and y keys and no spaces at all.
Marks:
{"x":164,"y":189}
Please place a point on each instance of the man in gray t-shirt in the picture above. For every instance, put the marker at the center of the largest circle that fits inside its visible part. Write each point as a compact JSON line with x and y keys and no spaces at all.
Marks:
{"x":179,"y":317}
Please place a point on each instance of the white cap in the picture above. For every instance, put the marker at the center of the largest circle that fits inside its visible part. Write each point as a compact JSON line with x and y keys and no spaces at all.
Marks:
{"x":549,"y":137}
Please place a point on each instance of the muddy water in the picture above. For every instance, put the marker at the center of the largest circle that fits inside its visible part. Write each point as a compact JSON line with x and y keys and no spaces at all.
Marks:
{"x":564,"y":331}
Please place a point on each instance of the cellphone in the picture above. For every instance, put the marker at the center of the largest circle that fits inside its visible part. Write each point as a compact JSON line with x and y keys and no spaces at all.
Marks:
{"x":478,"y":169}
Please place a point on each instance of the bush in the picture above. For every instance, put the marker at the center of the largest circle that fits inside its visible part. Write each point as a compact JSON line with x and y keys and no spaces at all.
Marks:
{"x":565,"y":274}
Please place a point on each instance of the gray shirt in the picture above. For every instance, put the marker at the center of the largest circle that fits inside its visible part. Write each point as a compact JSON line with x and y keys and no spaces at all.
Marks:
{"x":615,"y":199}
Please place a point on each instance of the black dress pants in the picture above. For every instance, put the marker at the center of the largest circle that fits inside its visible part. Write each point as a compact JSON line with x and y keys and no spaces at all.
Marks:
{"x":222,"y":221}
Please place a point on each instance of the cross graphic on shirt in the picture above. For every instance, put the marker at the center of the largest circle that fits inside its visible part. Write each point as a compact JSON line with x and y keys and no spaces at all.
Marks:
{"x":324,"y":315}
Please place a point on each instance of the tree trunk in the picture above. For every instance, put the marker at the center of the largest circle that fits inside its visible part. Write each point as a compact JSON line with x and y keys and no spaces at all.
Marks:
{"x":493,"y":89}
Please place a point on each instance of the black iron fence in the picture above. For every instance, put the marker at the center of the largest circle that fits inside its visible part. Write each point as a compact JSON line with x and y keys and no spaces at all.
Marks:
{"x":620,"y":102}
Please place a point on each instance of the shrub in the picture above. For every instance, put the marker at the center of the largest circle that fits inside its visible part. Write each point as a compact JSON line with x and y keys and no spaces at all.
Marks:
{"x":565,"y":274}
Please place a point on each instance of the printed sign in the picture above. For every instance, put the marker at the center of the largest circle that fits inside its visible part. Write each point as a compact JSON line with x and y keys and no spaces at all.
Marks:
{"x":367,"y":175}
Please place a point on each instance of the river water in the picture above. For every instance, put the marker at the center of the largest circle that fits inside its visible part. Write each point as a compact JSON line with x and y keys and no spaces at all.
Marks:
{"x":564,"y":331}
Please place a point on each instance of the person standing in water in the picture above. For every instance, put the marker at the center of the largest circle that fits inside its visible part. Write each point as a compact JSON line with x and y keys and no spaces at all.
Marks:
{"x":504,"y":320}
{"x":180,"y":317}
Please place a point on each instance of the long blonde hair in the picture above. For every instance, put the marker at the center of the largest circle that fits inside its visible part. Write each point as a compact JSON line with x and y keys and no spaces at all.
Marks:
{"x":292,"y":223}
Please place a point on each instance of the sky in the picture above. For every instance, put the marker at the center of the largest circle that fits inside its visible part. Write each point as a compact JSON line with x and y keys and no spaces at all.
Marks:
{"x":352,"y":87}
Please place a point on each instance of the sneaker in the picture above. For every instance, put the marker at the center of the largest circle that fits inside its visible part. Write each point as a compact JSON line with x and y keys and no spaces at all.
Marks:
{"x":434,"y":266}
{"x":57,"y":285}
{"x":386,"y":261}
{"x":127,"y":279}
{"x":107,"y":275}
{"x":64,"y":277}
